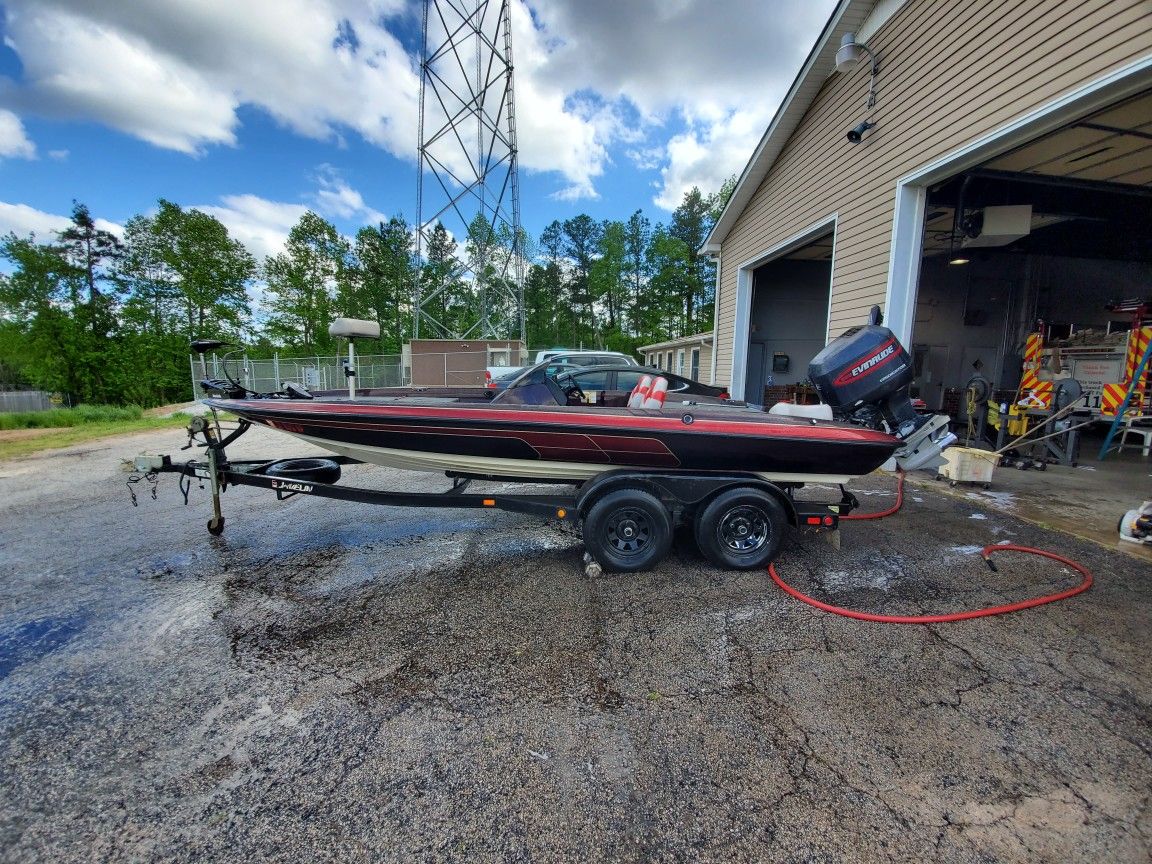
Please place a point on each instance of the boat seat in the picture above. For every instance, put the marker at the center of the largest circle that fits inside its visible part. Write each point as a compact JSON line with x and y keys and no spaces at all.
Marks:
{"x":354,"y":328}
{"x":816,"y":412}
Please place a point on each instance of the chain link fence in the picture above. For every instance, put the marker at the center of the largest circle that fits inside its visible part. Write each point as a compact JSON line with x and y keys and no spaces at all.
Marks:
{"x":25,"y":400}
{"x":315,"y":373}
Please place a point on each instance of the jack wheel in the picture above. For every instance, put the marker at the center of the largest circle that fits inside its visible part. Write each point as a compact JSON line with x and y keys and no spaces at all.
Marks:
{"x":741,"y":529}
{"x":216,"y":526}
{"x":628,"y":530}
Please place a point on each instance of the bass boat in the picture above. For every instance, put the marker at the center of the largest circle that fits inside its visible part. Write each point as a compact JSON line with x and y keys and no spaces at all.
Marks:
{"x":544,"y":428}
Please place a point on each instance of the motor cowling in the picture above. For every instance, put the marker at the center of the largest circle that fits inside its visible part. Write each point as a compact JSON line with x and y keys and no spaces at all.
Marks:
{"x":864,"y":374}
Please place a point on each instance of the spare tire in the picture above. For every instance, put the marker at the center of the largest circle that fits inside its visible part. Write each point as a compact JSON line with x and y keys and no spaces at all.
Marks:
{"x":305,"y":470}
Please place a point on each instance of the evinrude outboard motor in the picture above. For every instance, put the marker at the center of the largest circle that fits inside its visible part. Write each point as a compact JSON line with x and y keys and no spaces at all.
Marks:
{"x":864,"y":374}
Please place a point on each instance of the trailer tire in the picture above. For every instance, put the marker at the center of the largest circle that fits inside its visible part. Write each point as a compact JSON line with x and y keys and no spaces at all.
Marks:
{"x":741,"y":529}
{"x":305,"y":470}
{"x":628,"y":530}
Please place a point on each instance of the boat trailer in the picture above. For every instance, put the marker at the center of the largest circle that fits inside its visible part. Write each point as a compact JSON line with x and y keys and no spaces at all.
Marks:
{"x":626,"y":515}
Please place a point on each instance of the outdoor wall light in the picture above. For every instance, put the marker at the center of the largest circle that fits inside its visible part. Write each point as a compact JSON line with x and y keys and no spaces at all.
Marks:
{"x":855,"y":136}
{"x":849,"y":54}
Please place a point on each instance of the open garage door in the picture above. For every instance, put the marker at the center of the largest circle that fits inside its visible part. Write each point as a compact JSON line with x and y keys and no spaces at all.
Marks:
{"x":1056,"y":231}
{"x":788,"y":322}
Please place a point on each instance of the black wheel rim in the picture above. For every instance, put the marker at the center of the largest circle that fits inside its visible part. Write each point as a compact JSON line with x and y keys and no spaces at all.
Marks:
{"x":629,"y":531}
{"x":744,"y":529}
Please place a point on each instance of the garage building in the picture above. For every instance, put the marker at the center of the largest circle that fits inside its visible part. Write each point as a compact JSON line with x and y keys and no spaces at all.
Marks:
{"x":1001,"y":175}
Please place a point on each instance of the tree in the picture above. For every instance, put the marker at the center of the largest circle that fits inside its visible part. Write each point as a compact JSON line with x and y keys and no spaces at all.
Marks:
{"x":88,"y":249}
{"x":444,"y":293}
{"x":691,"y":223}
{"x":382,"y":283}
{"x":718,"y":200}
{"x":637,"y":236}
{"x":581,"y":239}
{"x":187,"y":279}
{"x":669,"y":261}
{"x":606,"y":274}
{"x":303,"y":282}
{"x":186,"y":275}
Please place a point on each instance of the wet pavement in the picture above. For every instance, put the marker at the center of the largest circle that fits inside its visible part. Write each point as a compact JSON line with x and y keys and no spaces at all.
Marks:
{"x":338,"y":683}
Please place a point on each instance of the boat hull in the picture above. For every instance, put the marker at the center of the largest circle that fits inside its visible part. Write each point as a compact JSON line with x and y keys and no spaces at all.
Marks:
{"x":573,"y":444}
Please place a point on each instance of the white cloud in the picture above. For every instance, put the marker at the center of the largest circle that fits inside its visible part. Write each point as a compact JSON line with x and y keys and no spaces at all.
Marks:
{"x":708,"y":154}
{"x":261,"y":225}
{"x":720,"y":69}
{"x":23,"y":220}
{"x":683,"y":85}
{"x":14,"y":142}
{"x":336,"y":198}
{"x":174,"y":73}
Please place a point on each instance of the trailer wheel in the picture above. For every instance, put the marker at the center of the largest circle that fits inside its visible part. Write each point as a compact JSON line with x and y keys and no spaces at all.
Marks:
{"x":741,"y":529}
{"x":216,"y":526}
{"x":306,"y":470}
{"x":628,"y":530}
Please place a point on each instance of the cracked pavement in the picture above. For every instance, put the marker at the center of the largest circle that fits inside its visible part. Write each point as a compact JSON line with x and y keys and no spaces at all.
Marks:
{"x":331,"y":682}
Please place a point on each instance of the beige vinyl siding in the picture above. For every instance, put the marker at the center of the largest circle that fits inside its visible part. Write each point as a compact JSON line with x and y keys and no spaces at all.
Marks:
{"x":950,"y":73}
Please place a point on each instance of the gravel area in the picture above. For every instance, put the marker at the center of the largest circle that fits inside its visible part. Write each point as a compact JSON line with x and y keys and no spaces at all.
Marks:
{"x":333,"y":682}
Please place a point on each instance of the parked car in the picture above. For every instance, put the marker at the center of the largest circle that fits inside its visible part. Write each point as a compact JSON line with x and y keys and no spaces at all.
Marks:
{"x":623,"y":378}
{"x":617,"y":378}
{"x":577,"y":357}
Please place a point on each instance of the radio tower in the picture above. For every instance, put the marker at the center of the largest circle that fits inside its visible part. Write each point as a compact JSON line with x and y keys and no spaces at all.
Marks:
{"x":467,"y":179}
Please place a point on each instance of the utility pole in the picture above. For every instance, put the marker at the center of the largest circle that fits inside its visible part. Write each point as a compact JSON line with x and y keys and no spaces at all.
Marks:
{"x":467,"y":179}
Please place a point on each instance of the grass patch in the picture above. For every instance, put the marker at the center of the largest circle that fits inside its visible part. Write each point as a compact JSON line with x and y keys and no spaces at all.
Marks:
{"x":88,"y":431}
{"x":81,"y":415}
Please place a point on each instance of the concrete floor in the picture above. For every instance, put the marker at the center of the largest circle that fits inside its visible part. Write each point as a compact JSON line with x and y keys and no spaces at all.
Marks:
{"x":328,"y":682}
{"x":1086,"y":501}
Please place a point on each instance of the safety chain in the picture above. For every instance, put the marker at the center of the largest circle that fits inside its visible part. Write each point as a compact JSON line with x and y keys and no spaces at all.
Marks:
{"x":152,"y":477}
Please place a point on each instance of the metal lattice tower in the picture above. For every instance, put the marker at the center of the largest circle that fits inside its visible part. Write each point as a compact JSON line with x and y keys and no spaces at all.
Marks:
{"x":467,"y":175}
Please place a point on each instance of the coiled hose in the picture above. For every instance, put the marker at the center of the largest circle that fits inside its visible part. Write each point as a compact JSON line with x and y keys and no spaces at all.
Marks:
{"x":986,"y":553}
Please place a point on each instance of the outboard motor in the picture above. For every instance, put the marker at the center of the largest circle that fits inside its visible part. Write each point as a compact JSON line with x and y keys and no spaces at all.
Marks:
{"x":864,"y":374}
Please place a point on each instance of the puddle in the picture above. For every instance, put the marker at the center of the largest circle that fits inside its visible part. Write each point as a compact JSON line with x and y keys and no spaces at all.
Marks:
{"x":32,"y":640}
{"x":968,"y":550}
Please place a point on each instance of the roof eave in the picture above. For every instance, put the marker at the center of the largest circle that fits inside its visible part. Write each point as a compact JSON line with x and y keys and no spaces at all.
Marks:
{"x":820,"y":63}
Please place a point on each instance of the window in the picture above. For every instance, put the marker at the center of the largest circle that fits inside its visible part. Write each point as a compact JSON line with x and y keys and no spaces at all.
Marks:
{"x":679,"y":370}
{"x":695,"y":373}
{"x":627,"y":380}
{"x":596,"y":379}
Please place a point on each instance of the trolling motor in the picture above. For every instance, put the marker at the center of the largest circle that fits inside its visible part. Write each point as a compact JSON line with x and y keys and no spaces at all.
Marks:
{"x":864,"y":374}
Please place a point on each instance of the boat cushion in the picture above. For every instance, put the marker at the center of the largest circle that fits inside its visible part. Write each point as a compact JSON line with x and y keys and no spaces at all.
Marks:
{"x":655,"y":397}
{"x":818,"y":412}
{"x":640,"y":392}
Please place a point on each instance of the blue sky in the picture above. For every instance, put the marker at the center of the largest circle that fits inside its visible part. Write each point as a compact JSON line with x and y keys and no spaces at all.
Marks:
{"x":255,"y":111}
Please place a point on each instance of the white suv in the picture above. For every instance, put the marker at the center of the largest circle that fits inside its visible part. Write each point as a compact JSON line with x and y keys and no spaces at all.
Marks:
{"x":585,"y":358}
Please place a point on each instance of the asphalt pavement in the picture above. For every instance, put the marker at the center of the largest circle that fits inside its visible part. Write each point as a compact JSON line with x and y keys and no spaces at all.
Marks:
{"x":333,"y":682}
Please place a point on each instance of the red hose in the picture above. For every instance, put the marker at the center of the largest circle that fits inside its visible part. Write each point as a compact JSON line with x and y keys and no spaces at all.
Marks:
{"x":899,"y":503}
{"x":1084,"y":585}
{"x":987,"y":554}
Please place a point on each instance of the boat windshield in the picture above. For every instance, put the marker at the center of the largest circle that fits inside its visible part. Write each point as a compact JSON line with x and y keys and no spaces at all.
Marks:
{"x":536,"y":385}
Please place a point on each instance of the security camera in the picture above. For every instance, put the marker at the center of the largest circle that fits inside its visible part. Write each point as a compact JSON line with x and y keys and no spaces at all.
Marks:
{"x":855,"y":136}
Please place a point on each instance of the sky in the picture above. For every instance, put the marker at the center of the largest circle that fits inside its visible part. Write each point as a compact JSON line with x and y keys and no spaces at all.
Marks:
{"x":257,"y":111}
